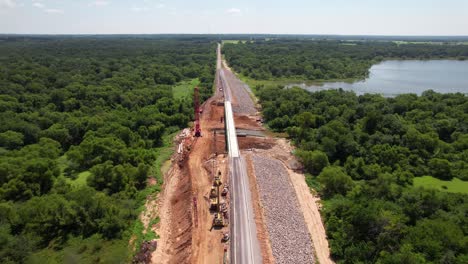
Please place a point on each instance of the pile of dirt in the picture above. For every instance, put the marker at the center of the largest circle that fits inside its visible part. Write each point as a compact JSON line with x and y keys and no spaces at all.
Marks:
{"x":246,"y":143}
{"x":175,"y":228}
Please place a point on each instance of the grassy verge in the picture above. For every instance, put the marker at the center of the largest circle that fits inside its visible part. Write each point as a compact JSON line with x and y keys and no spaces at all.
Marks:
{"x":312,"y":182}
{"x":455,"y":185}
{"x":184,"y":89}
{"x":163,"y":154}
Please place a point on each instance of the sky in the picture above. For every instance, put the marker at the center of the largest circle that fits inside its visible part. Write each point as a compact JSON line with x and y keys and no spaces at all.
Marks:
{"x":342,"y":17}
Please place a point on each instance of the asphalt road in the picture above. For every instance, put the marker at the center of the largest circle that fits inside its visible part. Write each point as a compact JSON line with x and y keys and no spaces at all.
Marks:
{"x":245,"y":247}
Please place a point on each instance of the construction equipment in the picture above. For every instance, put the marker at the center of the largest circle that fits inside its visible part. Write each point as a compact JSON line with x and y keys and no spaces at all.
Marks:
{"x":213,"y":192}
{"x":217,"y":180}
{"x":185,"y":145}
{"x":214,"y":204}
{"x":218,"y":220}
{"x":196,"y":103}
{"x":225,"y":237}
{"x":225,"y":191}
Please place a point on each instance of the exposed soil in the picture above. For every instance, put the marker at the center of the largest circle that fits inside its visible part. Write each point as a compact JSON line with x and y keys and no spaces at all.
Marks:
{"x":206,"y":241}
{"x":175,"y":225}
{"x":185,"y":228}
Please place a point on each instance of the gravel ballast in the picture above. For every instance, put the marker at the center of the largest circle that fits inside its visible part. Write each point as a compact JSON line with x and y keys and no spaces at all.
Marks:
{"x":290,"y":239}
{"x":240,"y":90}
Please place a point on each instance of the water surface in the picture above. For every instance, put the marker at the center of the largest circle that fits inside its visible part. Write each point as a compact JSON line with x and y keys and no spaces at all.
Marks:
{"x":394,"y":77}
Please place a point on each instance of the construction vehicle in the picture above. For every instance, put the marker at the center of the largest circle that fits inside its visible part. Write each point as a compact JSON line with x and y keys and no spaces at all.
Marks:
{"x":213,"y":192}
{"x":225,"y":237}
{"x":196,"y":103}
{"x":214,"y":204}
{"x":217,"y":179}
{"x":218,"y":220}
{"x":225,"y":191}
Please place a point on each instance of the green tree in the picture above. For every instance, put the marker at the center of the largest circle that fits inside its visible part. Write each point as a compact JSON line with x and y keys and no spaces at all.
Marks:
{"x":335,"y":181}
{"x":314,"y":161}
{"x":11,"y":139}
{"x":440,"y":168}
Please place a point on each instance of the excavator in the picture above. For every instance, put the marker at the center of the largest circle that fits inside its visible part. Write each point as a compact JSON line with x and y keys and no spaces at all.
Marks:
{"x":218,"y":220}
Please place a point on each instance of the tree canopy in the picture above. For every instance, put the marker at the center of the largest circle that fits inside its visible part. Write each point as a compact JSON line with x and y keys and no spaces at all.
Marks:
{"x":364,"y":151}
{"x":305,"y":59}
{"x":101,"y":105}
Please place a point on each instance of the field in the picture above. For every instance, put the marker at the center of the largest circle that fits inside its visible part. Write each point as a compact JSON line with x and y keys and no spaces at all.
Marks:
{"x":184,"y":88}
{"x":233,"y":41}
{"x":455,"y":185}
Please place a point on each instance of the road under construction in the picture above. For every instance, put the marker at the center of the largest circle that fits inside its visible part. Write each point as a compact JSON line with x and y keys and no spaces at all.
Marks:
{"x":200,"y":224}
{"x":244,"y":246}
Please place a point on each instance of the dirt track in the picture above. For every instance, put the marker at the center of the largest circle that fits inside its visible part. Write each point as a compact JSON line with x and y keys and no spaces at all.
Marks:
{"x":206,"y":246}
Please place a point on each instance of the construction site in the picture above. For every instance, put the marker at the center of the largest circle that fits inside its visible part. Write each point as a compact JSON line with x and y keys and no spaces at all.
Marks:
{"x":234,"y":193}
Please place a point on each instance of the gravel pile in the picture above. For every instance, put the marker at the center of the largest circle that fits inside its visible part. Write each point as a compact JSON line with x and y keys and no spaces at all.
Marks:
{"x":290,"y":240}
{"x":240,"y":90}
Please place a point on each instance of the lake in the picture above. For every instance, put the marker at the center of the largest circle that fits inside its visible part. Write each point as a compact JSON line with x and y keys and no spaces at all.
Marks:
{"x":394,"y":77}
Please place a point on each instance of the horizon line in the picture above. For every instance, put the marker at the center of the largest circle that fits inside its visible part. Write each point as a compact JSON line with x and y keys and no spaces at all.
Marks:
{"x":214,"y":34}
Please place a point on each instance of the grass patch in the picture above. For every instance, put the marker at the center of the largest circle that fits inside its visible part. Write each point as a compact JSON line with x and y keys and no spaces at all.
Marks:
{"x":455,"y":185}
{"x":234,"y":41}
{"x":163,"y":154}
{"x":184,"y":89}
{"x":312,"y":182}
{"x":142,"y":234}
{"x":81,"y":179}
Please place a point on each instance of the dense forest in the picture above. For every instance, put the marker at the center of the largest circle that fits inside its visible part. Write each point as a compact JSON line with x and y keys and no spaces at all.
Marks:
{"x":363,"y":152}
{"x":101,"y":107}
{"x":289,"y":58}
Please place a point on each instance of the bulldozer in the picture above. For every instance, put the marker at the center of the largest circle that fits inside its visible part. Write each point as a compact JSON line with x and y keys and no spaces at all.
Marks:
{"x":214,"y":204}
{"x":217,"y":181}
{"x":218,"y":220}
{"x":213,"y":192}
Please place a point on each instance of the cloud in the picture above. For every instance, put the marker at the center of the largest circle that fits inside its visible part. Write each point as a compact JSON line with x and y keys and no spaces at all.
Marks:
{"x":38,"y":5}
{"x":234,"y":11}
{"x":99,"y":3}
{"x":54,"y":11}
{"x":7,"y":3}
{"x":160,"y":5}
{"x":139,"y":9}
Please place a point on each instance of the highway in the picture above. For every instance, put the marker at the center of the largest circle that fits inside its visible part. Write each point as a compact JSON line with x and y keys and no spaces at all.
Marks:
{"x":245,"y":247}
